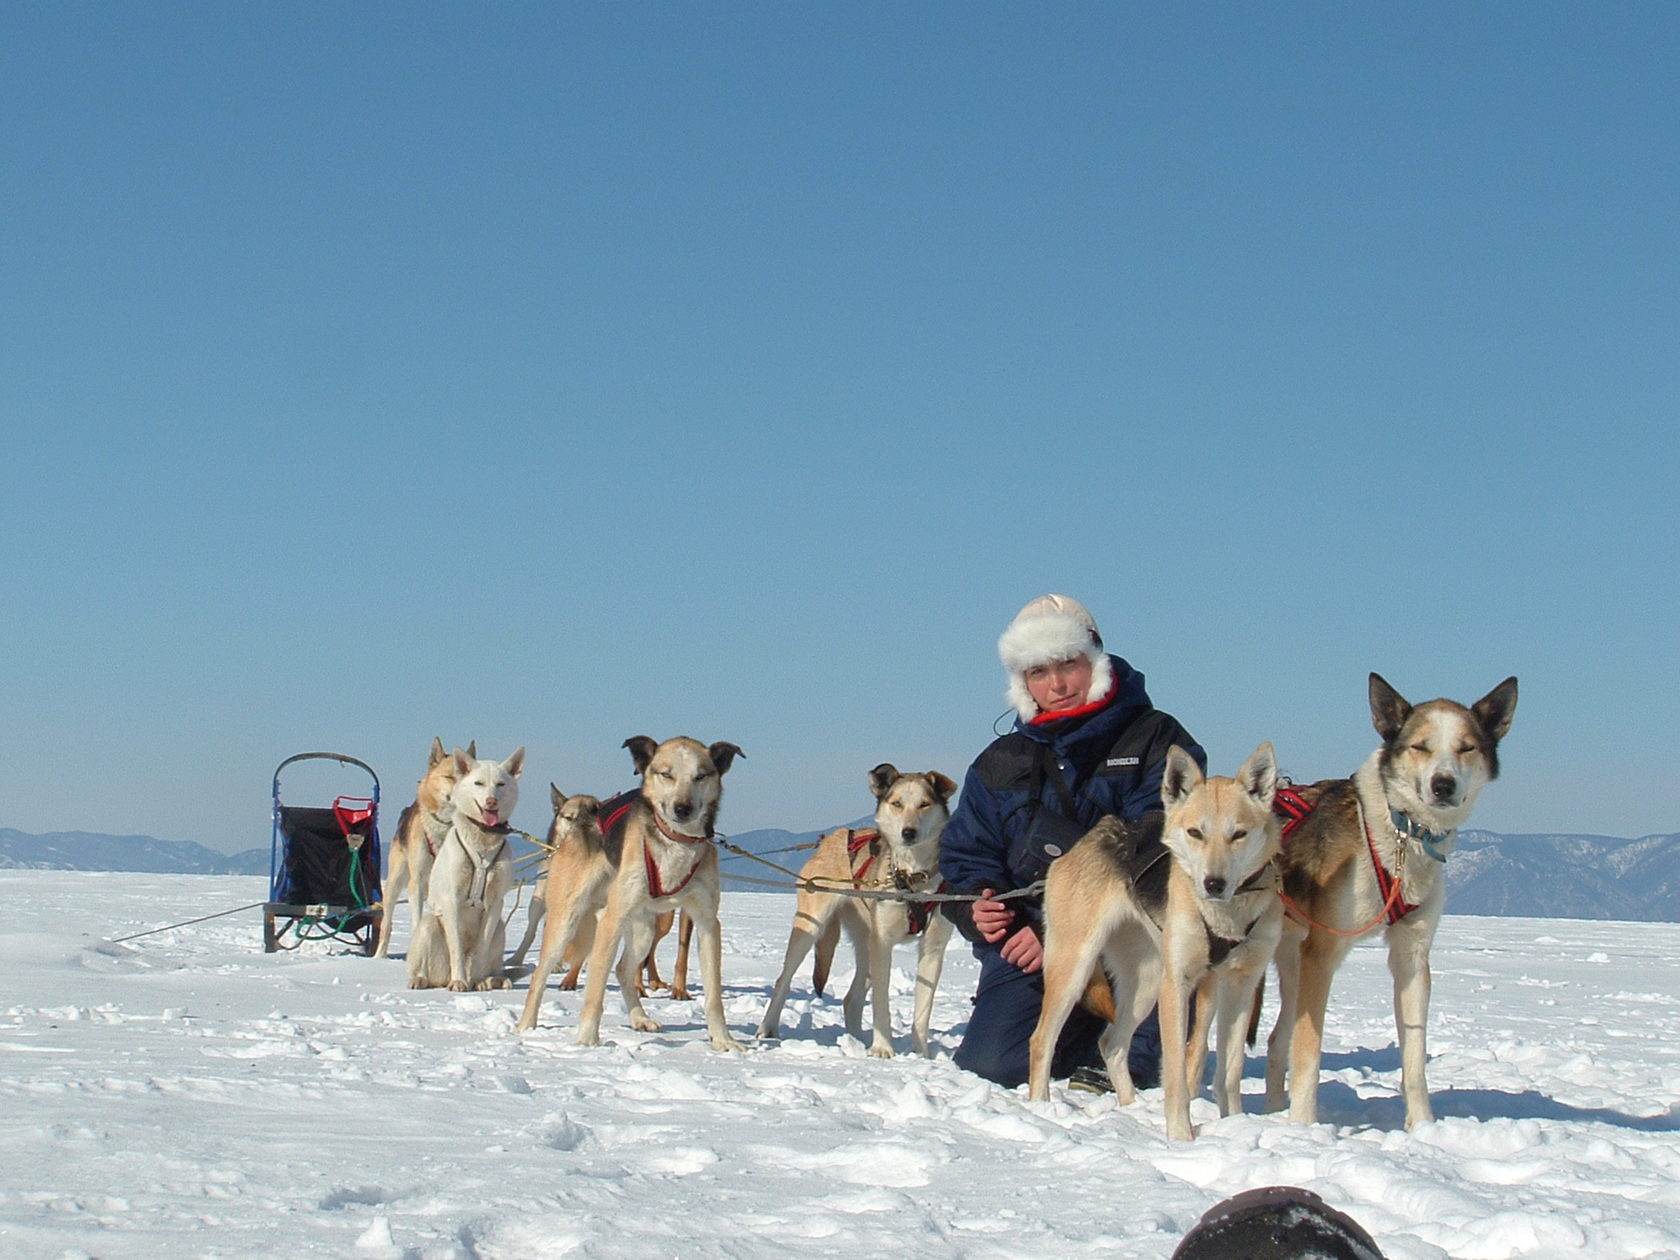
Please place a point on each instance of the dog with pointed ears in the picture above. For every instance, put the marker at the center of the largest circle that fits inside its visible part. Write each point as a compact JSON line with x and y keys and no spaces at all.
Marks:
{"x":1169,"y":904}
{"x":1368,"y":854}
{"x":901,"y":856}
{"x":411,"y":851}
{"x":661,"y":859}
{"x":460,"y":938}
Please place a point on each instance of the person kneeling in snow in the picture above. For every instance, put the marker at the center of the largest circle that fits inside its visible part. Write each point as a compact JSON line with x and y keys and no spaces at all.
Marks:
{"x":1086,"y":742}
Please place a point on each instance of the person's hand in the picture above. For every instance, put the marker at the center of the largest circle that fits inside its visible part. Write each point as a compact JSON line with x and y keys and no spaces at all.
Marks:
{"x":1024,"y":950}
{"x":992,"y":919}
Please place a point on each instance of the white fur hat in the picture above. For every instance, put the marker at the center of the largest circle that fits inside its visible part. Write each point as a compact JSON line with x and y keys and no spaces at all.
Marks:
{"x":1049,"y":629}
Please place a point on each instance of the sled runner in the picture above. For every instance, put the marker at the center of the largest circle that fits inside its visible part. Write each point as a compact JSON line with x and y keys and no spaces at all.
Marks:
{"x":324,"y":865}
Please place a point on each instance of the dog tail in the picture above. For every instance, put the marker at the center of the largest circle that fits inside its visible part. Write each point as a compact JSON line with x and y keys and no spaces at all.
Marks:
{"x":1254,"y":1012}
{"x":825,"y":955}
{"x":1098,"y":997}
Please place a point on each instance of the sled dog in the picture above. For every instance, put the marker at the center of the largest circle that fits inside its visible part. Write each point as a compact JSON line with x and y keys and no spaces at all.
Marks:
{"x":1370,"y":855}
{"x":410,"y":863}
{"x":460,"y":938}
{"x":576,"y":823}
{"x":901,"y":854}
{"x":1167,"y":902}
{"x":573,"y":886}
{"x":659,"y":859}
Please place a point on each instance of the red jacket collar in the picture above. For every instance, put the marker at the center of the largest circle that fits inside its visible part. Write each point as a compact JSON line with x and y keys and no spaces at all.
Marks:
{"x":1084,"y":710}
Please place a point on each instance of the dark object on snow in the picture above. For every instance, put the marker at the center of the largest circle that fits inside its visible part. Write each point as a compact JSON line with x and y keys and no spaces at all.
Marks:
{"x":324,"y":863}
{"x":1276,"y":1223}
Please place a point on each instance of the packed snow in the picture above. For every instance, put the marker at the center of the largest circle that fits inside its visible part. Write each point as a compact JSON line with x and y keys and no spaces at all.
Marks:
{"x":185,"y":1094}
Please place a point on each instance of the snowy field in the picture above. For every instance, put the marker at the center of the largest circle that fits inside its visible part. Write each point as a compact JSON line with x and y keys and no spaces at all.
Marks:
{"x":187,"y":1095}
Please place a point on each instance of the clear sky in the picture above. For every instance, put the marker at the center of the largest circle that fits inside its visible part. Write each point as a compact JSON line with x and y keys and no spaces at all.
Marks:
{"x":551,"y":374}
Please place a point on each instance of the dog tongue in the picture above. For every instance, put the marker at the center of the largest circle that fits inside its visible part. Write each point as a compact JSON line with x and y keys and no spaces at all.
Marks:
{"x":491,"y":818}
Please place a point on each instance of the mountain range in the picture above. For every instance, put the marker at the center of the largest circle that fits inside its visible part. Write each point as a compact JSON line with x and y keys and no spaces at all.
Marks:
{"x":1531,"y":876}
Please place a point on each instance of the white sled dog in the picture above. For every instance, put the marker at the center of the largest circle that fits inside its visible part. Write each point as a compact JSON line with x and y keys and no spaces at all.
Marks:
{"x":1167,"y":903}
{"x":411,"y":852}
{"x":460,"y":938}
{"x":901,"y":854}
{"x":1370,"y":856}
{"x":661,"y":859}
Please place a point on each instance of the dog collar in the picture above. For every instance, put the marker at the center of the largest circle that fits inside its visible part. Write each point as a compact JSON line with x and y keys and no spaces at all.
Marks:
{"x":1430,"y":841}
{"x":677,"y":835}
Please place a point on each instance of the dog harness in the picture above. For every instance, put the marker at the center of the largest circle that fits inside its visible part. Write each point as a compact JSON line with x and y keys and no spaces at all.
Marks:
{"x":481,"y":865}
{"x":918,"y":911}
{"x":1293,"y":808}
{"x":657,"y":889}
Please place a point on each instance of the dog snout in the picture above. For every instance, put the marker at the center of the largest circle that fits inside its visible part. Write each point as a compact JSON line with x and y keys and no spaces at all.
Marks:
{"x":684,"y":810}
{"x":1214,"y":885}
{"x":909,"y":834}
{"x":1445,"y":788}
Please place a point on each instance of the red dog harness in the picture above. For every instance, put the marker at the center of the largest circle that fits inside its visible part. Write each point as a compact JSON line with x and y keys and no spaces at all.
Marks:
{"x":1293,"y":808}
{"x":918,"y":911}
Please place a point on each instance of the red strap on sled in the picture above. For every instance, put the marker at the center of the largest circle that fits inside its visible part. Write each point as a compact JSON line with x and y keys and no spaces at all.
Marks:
{"x":351,"y":819}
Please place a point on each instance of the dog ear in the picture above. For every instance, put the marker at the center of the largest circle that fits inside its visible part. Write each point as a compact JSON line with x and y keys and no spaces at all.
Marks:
{"x":463,"y":761}
{"x":1259,"y":775}
{"x":943,"y":787}
{"x":472,"y":749}
{"x":1389,"y":709}
{"x":881,"y":779}
{"x":437,"y":754}
{"x":723,"y":756}
{"x":556,"y":797}
{"x":515,"y":765}
{"x":1181,"y":777}
{"x":1496,"y":709}
{"x":590,"y":805}
{"x":641,"y":751}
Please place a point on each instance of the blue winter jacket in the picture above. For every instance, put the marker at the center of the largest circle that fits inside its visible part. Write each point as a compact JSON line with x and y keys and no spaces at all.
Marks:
{"x":1111,"y":761}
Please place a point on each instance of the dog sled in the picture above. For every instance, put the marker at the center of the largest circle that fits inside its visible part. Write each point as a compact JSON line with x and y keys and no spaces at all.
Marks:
{"x":324,"y":864}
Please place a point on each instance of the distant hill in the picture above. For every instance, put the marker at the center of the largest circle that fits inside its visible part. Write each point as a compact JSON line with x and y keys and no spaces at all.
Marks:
{"x":1531,"y":876}
{"x":1566,"y":877}
{"x":90,"y":851}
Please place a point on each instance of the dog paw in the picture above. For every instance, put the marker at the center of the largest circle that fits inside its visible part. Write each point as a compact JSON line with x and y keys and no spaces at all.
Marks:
{"x":459,"y":986}
{"x":881,"y":1050}
{"x":645,"y":1023}
{"x":680,"y":993}
{"x":728,"y":1044}
{"x":1181,"y":1130}
{"x":767,"y":1033}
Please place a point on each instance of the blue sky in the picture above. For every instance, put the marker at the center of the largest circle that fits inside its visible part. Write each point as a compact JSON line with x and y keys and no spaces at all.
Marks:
{"x":551,"y":374}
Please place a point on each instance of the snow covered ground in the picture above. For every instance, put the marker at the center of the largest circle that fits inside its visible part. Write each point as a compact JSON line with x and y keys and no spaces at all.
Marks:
{"x":187,"y":1095}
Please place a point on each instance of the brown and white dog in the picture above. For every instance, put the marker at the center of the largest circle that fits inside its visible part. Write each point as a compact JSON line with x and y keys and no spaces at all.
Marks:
{"x":576,"y":856}
{"x":901,"y":855}
{"x":1167,"y":902}
{"x":661,"y":859}
{"x":411,"y":852}
{"x":1370,"y":856}
{"x":460,"y":938}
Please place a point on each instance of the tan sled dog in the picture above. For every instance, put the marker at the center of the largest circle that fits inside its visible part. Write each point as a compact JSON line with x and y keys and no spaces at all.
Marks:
{"x":577,"y":822}
{"x":902,"y":854}
{"x":410,"y":863}
{"x":1371,"y":856}
{"x":662,"y":860}
{"x":460,"y":939}
{"x":1164,"y":902}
